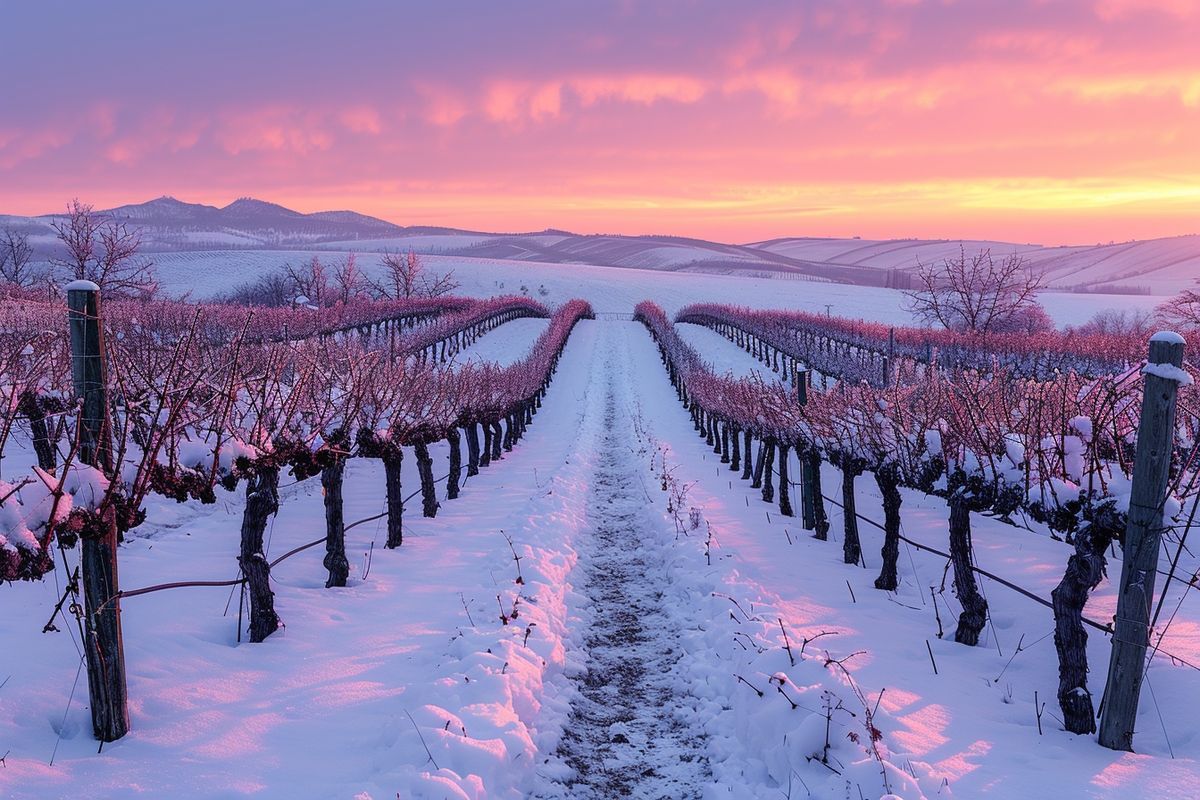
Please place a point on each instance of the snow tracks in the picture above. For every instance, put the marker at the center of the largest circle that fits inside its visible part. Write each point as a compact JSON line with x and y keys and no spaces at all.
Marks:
{"x":623,"y":738}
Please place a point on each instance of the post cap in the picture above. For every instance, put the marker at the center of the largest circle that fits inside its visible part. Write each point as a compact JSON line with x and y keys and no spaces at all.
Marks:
{"x":1170,"y":337}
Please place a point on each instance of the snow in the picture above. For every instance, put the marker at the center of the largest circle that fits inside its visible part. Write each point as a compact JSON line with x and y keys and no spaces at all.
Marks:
{"x":887,"y":253}
{"x":506,"y":344}
{"x":1162,"y":266}
{"x":1170,"y":337}
{"x":723,"y":355}
{"x":609,"y":288}
{"x":965,"y":723}
{"x":212,"y":717}
{"x":1169,"y":372}
{"x":406,"y":683}
{"x":81,"y":286}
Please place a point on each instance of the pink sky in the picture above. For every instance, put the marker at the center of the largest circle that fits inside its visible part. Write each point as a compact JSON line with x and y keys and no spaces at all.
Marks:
{"x":1031,"y":120}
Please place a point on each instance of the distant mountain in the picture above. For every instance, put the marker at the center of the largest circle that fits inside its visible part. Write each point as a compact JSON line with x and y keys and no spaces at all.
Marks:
{"x":170,"y":224}
{"x":1157,"y":266}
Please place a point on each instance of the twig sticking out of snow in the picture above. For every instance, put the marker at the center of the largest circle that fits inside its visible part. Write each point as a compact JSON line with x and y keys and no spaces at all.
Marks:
{"x":432,"y":760}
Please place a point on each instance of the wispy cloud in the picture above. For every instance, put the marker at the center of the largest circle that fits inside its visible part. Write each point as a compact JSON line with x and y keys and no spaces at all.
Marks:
{"x":737,"y":121}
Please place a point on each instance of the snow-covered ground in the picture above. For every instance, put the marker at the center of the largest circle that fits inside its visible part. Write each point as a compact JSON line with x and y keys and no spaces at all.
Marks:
{"x":505,"y":345}
{"x":608,"y":289}
{"x":690,"y":652}
{"x":169,"y":227}
{"x":722,"y":355}
{"x":321,"y":709}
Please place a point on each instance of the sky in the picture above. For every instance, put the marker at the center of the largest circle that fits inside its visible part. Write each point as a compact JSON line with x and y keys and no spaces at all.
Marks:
{"x":1049,"y":121}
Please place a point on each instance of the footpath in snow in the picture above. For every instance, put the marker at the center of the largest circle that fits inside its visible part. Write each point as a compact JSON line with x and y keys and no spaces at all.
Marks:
{"x":624,"y":737}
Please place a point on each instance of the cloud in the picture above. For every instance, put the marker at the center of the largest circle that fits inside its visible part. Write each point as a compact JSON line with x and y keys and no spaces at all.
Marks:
{"x":20,"y":145}
{"x":160,"y":129}
{"x":644,"y":89}
{"x":546,"y":101}
{"x":1111,"y":10}
{"x":361,"y":119}
{"x":1039,"y":44}
{"x":440,"y":104}
{"x":1183,"y":87}
{"x":280,"y":130}
{"x":506,"y":101}
{"x":518,"y":101}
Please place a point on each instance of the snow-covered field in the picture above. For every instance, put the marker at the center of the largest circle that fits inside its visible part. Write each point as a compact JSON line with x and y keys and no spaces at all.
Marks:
{"x":172,"y":229}
{"x":504,"y":345}
{"x":723,"y":356}
{"x":206,"y":273}
{"x":654,"y":644}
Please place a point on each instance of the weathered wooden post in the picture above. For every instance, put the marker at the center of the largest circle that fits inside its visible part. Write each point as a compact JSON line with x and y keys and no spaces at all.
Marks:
{"x":808,"y":517}
{"x":102,"y":632}
{"x":889,"y":358}
{"x":332,"y":480}
{"x":1143,"y":532}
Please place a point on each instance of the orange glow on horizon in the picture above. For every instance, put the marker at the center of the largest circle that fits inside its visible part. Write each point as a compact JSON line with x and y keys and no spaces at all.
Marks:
{"x":1060,"y":123}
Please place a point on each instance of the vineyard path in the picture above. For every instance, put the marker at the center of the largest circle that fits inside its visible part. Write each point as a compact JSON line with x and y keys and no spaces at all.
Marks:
{"x":622,"y":739}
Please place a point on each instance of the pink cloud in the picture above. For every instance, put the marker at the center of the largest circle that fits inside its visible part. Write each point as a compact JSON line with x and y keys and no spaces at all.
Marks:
{"x":283,"y":130}
{"x":644,"y":89}
{"x":440,"y":104}
{"x":17,"y":146}
{"x":514,"y":101}
{"x":158,"y":130}
{"x":361,"y":119}
{"x":936,"y":117}
{"x":546,"y":101}
{"x":504,"y":101}
{"x":1040,"y":44}
{"x":1119,"y":9}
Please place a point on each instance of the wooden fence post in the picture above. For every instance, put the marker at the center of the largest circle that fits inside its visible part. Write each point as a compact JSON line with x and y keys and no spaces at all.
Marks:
{"x":808,"y":516}
{"x":889,"y":358}
{"x":102,"y":632}
{"x":1143,"y":533}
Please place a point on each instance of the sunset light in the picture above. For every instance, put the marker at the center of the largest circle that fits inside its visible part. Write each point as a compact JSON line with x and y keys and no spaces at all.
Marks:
{"x":551,"y":400}
{"x":1065,"y":122}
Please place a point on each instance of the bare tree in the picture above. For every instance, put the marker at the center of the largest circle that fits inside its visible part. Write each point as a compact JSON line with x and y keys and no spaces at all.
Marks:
{"x":16,"y":260}
{"x":318,"y":283}
{"x":349,"y":281}
{"x":103,"y":250}
{"x":309,"y":281}
{"x":439,"y":285}
{"x":404,"y":276}
{"x":1030,"y":319}
{"x":977,"y":294}
{"x":400,"y":273}
{"x":273,"y":289}
{"x":1182,"y":310}
{"x":1119,"y":321}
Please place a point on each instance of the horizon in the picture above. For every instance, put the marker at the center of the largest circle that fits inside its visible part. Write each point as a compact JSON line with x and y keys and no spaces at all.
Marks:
{"x":448,"y":337}
{"x":217,"y":204}
{"x":1050,"y":123}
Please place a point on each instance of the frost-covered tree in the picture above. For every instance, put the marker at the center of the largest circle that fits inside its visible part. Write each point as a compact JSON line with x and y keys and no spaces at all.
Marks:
{"x":405,"y":276}
{"x":16,"y":260}
{"x":1182,"y":310}
{"x":1119,"y":322}
{"x":977,"y":293}
{"x":349,"y":282}
{"x":103,"y":250}
{"x":309,"y":281}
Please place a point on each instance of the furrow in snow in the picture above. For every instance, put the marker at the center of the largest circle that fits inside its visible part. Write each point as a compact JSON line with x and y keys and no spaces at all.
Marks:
{"x":622,"y":739}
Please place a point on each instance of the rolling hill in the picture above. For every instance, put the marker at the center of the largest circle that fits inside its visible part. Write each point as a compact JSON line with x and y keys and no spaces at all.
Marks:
{"x":1158,"y":267}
